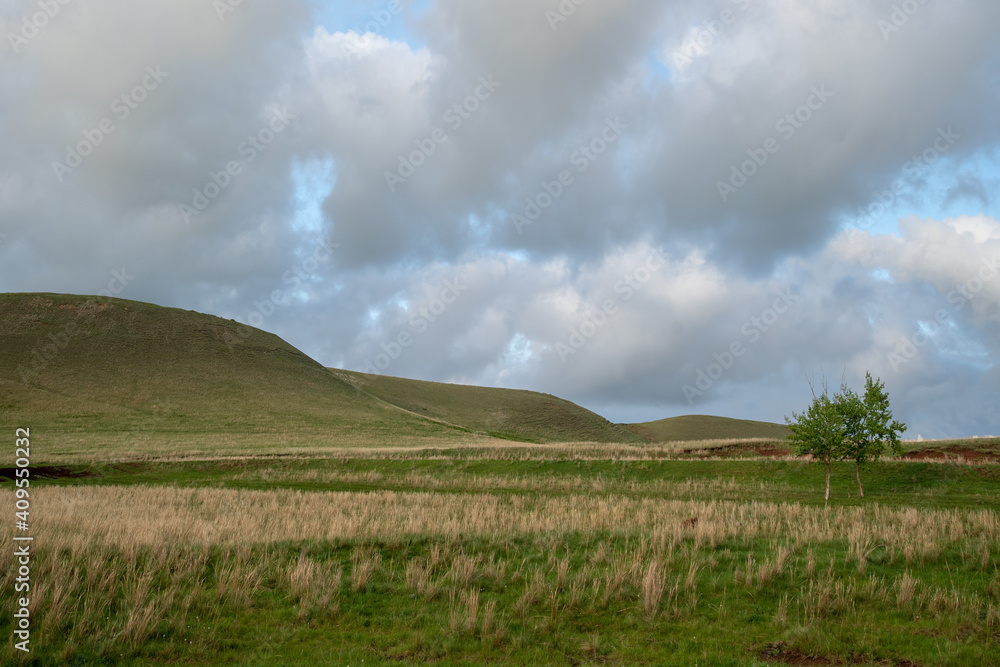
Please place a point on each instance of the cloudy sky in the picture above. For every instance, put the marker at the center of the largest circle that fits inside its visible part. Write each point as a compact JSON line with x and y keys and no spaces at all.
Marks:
{"x":650,"y":208}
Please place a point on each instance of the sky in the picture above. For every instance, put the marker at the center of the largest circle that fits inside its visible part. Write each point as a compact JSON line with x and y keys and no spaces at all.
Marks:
{"x":648,"y":208}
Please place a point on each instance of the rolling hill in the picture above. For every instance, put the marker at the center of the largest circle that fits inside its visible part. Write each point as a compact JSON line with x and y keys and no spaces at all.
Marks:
{"x":94,"y":375}
{"x":94,"y":372}
{"x":511,"y":414}
{"x":706,"y":427}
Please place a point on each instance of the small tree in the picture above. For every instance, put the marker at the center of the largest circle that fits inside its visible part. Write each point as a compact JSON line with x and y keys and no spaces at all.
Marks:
{"x":868,"y":426}
{"x":819,"y":431}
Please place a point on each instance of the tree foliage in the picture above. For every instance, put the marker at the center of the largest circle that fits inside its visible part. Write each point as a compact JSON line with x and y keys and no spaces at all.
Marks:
{"x":819,"y":432}
{"x":847,"y":426}
{"x":869,"y":426}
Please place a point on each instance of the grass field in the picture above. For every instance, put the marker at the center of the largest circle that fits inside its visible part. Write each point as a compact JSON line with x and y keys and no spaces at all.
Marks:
{"x":260,"y":521}
{"x":405,"y":560}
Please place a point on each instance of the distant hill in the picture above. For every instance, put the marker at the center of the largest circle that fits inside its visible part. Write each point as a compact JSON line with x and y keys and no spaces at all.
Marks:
{"x":512,"y":414}
{"x":706,"y":427}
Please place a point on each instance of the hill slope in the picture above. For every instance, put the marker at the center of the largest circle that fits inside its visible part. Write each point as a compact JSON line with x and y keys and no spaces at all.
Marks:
{"x":95,"y":371}
{"x":706,"y":427}
{"x":100,"y":375}
{"x":512,"y":414}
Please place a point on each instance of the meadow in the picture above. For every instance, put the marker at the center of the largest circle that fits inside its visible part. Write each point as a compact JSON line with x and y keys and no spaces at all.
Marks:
{"x":508,"y":555}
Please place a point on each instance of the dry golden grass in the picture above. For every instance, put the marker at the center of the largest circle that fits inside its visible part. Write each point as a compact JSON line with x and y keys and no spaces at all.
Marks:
{"x":419,"y":579}
{"x":77,"y":518}
{"x":364,"y":563}
{"x":239,"y":578}
{"x":653,"y":584}
{"x":781,"y":616}
{"x":133,"y":447}
{"x":906,"y":587}
{"x":464,"y":569}
{"x":689,"y":488}
{"x":174,"y":525}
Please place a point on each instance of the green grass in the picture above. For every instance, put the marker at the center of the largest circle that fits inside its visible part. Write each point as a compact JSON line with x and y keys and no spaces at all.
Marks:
{"x":714,"y":621}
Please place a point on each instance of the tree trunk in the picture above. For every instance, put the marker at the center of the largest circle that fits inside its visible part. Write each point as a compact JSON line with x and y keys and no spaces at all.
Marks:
{"x":827,"y":479}
{"x":861,"y":489}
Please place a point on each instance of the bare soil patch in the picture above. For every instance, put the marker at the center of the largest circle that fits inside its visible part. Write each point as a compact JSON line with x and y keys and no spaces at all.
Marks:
{"x":49,"y":472}
{"x":952,"y":453}
{"x":779,"y":653}
{"x":767,"y":450}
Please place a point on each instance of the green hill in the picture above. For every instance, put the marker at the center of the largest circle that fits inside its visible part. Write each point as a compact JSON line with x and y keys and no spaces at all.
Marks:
{"x":706,"y":427}
{"x":105,"y":377}
{"x":87,"y":374}
{"x":110,"y":377}
{"x":511,"y":414}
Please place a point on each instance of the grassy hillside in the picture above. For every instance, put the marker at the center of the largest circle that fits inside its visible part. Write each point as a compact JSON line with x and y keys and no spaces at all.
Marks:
{"x":111,"y":378}
{"x":705,"y":427}
{"x":109,"y":373}
{"x":117,"y":378}
{"x":511,"y":414}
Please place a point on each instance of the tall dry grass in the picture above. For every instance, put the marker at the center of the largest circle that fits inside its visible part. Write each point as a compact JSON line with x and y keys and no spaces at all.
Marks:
{"x":450,"y":479}
{"x":653,"y":584}
{"x":75,"y":518}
